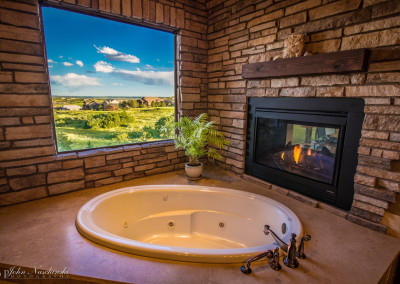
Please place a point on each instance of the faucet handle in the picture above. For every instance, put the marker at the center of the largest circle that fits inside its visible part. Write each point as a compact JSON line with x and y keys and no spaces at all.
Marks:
{"x":300,"y":252}
{"x":274,"y":263}
{"x":290,"y":259}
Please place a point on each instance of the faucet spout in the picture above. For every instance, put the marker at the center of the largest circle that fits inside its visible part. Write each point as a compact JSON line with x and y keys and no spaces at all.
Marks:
{"x":246,"y":268}
{"x":280,"y":243}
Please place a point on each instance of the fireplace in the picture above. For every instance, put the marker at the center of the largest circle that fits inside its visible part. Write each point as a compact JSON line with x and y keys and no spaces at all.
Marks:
{"x":306,"y":144}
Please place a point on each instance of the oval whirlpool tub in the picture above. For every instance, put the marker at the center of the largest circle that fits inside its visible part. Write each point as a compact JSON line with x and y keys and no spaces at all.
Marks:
{"x":187,"y":223}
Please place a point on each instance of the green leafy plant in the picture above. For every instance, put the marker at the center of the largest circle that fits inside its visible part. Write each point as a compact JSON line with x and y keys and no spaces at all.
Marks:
{"x":89,"y":145}
{"x":64,"y":142}
{"x":122,"y":137}
{"x":194,"y":136}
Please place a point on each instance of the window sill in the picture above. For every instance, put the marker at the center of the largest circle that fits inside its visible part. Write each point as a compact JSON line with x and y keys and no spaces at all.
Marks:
{"x":113,"y":149}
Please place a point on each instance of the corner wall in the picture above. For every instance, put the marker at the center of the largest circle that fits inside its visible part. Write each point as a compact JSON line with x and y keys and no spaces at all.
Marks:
{"x":30,"y":167}
{"x":251,"y":31}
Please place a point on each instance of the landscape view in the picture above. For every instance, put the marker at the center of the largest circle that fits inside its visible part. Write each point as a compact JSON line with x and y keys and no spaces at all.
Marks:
{"x":112,"y":83}
{"x":83,"y":123}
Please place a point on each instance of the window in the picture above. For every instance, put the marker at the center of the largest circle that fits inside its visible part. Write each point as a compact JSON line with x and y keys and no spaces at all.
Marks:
{"x":112,"y":83}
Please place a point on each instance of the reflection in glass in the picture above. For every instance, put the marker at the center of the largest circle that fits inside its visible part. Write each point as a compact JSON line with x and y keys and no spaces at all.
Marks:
{"x":308,"y":150}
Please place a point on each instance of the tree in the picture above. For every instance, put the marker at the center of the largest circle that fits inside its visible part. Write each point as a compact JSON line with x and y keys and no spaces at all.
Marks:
{"x":153,"y":104}
{"x":122,"y":137}
{"x":163,"y":128}
{"x":123,"y":104}
{"x":133,"y":103}
{"x":109,"y":120}
{"x":166,"y":126}
{"x":63,"y":142}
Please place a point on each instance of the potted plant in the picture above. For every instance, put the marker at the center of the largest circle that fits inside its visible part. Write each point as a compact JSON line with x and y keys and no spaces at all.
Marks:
{"x":194,"y":136}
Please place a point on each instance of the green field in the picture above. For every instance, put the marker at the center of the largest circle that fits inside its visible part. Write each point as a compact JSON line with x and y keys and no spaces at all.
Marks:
{"x":84,"y":129}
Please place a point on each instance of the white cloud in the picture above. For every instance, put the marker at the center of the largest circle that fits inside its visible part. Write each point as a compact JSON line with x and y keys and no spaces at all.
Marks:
{"x":148,"y":77}
{"x":148,"y":66}
{"x":114,"y":55}
{"x":116,"y":84}
{"x":157,"y":59}
{"x":79,"y":63}
{"x":60,"y":56}
{"x":73,"y":80}
{"x":67,"y":64}
{"x":104,"y":67}
{"x":51,"y":61}
{"x":50,"y":66}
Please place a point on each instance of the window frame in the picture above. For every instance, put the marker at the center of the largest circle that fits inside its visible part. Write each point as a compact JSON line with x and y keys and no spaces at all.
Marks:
{"x":117,"y":18}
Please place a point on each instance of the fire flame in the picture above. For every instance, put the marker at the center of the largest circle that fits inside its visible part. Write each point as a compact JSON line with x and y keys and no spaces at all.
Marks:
{"x":296,"y":153}
{"x":309,"y":152}
{"x":283,"y":156}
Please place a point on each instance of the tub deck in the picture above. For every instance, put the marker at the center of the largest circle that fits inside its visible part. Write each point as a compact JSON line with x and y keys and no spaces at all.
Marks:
{"x":42,"y":234}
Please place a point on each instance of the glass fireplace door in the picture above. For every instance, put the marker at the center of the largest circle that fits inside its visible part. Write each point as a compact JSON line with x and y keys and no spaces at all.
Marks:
{"x":305,"y":149}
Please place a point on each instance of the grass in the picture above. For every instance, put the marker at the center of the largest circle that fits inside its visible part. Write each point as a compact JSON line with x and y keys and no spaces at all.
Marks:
{"x":73,"y":133}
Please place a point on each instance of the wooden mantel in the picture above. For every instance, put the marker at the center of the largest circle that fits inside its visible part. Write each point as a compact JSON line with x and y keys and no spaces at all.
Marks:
{"x":336,"y":62}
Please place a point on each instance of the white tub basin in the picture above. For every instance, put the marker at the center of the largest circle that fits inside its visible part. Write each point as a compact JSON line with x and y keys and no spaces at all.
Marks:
{"x":184,"y":222}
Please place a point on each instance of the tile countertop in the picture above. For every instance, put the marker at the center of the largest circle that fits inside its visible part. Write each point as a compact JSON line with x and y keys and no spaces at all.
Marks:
{"x":42,"y":234}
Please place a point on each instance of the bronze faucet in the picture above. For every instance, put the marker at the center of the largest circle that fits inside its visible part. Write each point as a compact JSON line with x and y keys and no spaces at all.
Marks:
{"x":290,"y":260}
{"x":291,"y":252}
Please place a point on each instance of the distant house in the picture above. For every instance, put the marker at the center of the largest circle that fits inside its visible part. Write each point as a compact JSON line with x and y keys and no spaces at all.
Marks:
{"x":169,"y":102}
{"x":110,"y":102}
{"x":113,"y":102}
{"x":92,"y":105}
{"x":69,"y":107}
{"x":111,"y":108}
{"x":140,"y":102}
{"x":148,"y":100}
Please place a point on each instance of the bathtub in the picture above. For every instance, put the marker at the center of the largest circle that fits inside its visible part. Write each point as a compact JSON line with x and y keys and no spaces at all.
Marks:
{"x":186,"y":223}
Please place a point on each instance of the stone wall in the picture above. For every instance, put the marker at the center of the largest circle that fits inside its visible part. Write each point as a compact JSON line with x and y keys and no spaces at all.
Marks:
{"x":252,"y":31}
{"x":30,"y":167}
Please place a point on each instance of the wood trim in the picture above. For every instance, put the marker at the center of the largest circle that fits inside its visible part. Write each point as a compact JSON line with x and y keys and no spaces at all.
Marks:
{"x":336,"y":62}
{"x":108,"y":15}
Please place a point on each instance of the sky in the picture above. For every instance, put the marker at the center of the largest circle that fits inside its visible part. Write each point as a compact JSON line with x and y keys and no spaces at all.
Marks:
{"x":90,"y":56}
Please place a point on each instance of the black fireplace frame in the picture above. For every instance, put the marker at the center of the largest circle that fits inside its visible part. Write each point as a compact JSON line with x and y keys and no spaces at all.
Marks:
{"x":346,"y":113}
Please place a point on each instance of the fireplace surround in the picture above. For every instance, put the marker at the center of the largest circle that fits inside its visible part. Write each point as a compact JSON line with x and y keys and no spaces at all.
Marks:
{"x":306,"y":144}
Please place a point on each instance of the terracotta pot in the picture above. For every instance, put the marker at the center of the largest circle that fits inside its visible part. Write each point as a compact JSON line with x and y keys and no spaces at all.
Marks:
{"x":194,"y":171}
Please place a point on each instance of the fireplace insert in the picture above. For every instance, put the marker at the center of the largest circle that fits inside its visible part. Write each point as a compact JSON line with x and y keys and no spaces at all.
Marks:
{"x":306,"y":144}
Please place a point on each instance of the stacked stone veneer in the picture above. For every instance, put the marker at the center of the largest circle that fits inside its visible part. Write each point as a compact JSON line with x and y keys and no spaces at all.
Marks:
{"x":253,"y":31}
{"x":30,"y":167}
